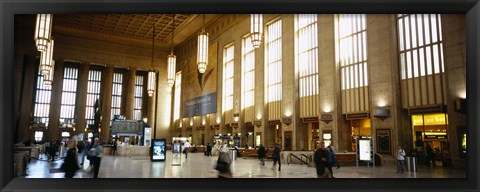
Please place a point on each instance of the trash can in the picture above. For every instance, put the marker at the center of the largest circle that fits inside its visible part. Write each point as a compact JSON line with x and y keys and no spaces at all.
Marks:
{"x":411,"y":164}
{"x":233,"y":154}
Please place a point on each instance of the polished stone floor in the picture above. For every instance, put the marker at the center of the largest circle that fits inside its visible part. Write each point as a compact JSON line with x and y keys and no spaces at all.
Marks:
{"x":199,"y":166}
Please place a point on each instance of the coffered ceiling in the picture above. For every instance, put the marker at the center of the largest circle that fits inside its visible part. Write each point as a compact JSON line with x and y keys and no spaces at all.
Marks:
{"x":134,"y":26}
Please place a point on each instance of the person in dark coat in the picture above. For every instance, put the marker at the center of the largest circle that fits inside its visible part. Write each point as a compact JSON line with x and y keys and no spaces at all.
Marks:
{"x":321,"y":161}
{"x":209,"y":150}
{"x":429,"y":155}
{"x":331,"y":160}
{"x":70,"y":164}
{"x":276,"y":157}
{"x":261,"y":154}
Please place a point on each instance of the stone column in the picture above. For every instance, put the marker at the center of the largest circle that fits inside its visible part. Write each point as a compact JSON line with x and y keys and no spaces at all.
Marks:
{"x":81,"y":98}
{"x":106,"y":103}
{"x":26,"y":97}
{"x":384,"y":79}
{"x":454,"y":51}
{"x":55,"y":101}
{"x":289,"y":81}
{"x":329,"y":81}
{"x":129,"y":104}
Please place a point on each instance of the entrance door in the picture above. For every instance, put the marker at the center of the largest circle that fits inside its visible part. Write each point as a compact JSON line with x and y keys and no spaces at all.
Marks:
{"x":288,"y":140}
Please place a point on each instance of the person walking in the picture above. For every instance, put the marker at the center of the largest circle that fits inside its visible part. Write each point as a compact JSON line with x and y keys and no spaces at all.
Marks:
{"x":321,"y":162}
{"x":114,"y":147}
{"x":429,"y":156}
{"x":400,"y":159}
{"x":209,"y":149}
{"x":70,"y":164}
{"x":96,"y":153}
{"x":276,"y":157}
{"x":86,"y":148}
{"x":186,"y":147}
{"x":223,"y":163}
{"x":261,"y":154}
{"x":331,"y":160}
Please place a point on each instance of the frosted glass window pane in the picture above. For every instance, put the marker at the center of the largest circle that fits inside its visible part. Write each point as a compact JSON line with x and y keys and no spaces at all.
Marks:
{"x":422,"y":62}
{"x":420,"y":29}
{"x":409,"y":65}
{"x":436,"y":64}
{"x":415,"y":63}
{"x":414,"y":30}
{"x":429,"y":60}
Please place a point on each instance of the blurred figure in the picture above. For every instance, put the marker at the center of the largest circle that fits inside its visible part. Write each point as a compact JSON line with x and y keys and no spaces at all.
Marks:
{"x":86,"y":148}
{"x":276,"y":157}
{"x":96,"y":153}
{"x":70,"y":164}
{"x":208,"y":152}
{"x":186,"y":147}
{"x":321,"y":161}
{"x":331,"y":160}
{"x":261,"y":154}
{"x":223,"y":163}
{"x":114,"y":147}
{"x":429,"y":155}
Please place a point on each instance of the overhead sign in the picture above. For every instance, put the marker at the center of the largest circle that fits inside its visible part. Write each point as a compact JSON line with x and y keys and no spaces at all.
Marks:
{"x":127,"y":128}
{"x":203,"y":105}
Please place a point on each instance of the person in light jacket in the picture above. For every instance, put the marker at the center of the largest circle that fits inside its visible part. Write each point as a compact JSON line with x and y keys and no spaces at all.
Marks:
{"x":96,"y":153}
{"x":400,"y":159}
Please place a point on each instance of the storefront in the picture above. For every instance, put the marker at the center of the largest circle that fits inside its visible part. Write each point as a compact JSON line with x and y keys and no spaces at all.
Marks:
{"x":431,"y":130}
{"x":360,"y":128}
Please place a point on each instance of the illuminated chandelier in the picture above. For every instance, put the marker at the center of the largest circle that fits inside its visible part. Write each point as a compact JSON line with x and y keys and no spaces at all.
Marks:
{"x":48,"y":80}
{"x":256,"y":29}
{"x":46,"y":58}
{"x":202,"y":51}
{"x":43,"y":31}
{"x":151,"y":73}
{"x":172,"y":59}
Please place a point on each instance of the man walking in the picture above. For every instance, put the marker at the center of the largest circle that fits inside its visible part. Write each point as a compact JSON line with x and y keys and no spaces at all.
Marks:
{"x":186,"y":147}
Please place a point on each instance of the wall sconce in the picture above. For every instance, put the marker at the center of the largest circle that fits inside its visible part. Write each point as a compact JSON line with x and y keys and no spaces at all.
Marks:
{"x":326,"y":117}
{"x":382,"y":112}
{"x":327,"y":109}
{"x":287,"y":120}
{"x":259,"y":116}
{"x":288,"y":113}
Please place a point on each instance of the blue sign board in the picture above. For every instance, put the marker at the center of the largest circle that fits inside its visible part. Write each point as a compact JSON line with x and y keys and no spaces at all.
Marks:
{"x":206,"y":104}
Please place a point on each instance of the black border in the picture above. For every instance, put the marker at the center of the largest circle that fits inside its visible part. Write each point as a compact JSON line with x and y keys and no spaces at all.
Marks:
{"x":10,"y":7}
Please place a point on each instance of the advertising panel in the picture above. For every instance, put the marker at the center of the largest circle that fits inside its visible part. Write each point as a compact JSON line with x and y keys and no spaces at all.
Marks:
{"x":365,"y":149}
{"x":158,"y":150}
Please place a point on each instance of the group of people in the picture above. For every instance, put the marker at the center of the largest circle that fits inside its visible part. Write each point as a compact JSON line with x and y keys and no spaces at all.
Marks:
{"x":325,"y":159}
{"x":93,"y":152}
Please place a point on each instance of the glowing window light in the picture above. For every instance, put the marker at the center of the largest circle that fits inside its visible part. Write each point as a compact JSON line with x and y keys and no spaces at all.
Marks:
{"x":274,"y":61}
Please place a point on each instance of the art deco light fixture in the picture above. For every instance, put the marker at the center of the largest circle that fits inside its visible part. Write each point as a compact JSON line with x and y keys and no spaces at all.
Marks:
{"x":256,"y":29}
{"x":46,"y":60}
{"x":202,"y":51}
{"x":172,"y":60}
{"x":151,"y":73}
{"x":43,"y":31}
{"x":48,"y":80}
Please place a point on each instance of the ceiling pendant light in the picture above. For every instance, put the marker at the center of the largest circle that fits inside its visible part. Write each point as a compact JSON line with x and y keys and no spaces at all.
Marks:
{"x":48,"y":80}
{"x":43,"y":31}
{"x":256,"y":29}
{"x":172,"y":60}
{"x":46,"y":59}
{"x":202,"y":51}
{"x":151,"y":72}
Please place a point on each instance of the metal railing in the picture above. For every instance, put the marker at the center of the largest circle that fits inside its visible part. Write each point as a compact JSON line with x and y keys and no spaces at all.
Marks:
{"x":306,"y":161}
